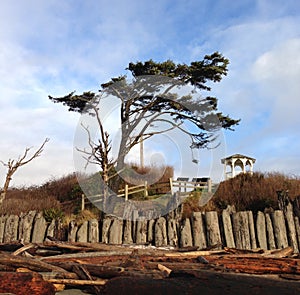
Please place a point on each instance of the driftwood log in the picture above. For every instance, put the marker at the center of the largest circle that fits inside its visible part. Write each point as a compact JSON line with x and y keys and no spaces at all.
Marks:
{"x":33,"y":264}
{"x":97,"y":267}
{"x":25,"y":283}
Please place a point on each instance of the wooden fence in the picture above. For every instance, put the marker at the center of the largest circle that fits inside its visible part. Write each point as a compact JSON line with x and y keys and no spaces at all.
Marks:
{"x":242,"y":230}
{"x":184,"y":185}
{"x":181,"y":185}
{"x":127,"y":191}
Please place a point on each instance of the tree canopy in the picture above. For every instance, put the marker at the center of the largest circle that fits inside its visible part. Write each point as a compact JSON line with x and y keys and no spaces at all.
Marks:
{"x":153,"y":98}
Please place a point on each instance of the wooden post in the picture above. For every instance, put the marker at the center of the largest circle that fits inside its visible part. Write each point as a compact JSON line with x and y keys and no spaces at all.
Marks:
{"x":82,"y":202}
{"x":160,"y":230}
{"x":186,"y":239}
{"x":198,"y":229}
{"x":142,"y":152}
{"x":297,"y":226}
{"x":228,"y":232}
{"x":213,"y":229}
{"x":280,"y":229}
{"x":126,"y":192}
{"x":171,"y":185}
{"x":146,"y":189}
{"x":241,"y":230}
{"x":252,"y":230}
{"x":292,"y":234}
{"x":172,"y":232}
{"x":209,"y":185}
{"x":261,"y":230}
{"x":270,"y":232}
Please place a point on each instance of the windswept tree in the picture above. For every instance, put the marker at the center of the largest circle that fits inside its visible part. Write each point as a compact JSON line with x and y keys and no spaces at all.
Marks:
{"x":152,"y":103}
{"x":13,"y":165}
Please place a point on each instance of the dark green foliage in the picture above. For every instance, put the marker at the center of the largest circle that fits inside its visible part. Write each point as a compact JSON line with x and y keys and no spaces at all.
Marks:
{"x":211,"y":69}
{"x":152,"y":104}
{"x":53,"y":213}
{"x":198,"y":73}
{"x":76,"y":103}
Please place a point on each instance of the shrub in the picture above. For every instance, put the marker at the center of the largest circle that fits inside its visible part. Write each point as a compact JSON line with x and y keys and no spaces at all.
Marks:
{"x":255,"y":192}
{"x":53,"y":213}
{"x":87,"y":215}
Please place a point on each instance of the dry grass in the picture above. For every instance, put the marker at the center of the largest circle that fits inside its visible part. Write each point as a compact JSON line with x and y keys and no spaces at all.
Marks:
{"x":255,"y":192}
{"x":84,"y":215}
{"x":24,"y":200}
{"x":246,"y":192}
{"x":61,"y":194}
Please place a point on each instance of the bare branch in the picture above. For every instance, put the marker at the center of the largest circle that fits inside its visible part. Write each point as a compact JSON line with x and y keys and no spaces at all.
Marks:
{"x":13,"y":165}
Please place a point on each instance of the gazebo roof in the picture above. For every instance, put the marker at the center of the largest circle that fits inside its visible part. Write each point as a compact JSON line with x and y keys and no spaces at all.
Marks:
{"x":235,"y":156}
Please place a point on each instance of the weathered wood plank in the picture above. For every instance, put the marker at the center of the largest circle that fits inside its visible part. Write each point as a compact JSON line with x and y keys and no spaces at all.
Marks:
{"x":252,"y":230}
{"x":93,"y":231}
{"x":11,"y":229}
{"x":25,"y":226}
{"x":116,"y":231}
{"x":228,"y":232}
{"x":127,"y":233}
{"x":198,"y":229}
{"x":241,"y":230}
{"x":297,"y":226}
{"x":270,"y":232}
{"x":172,"y":232}
{"x":2,"y":227}
{"x":51,"y":229}
{"x":72,"y":231}
{"x":106,"y":223}
{"x":141,"y":231}
{"x":280,"y":229}
{"x":150,"y":237}
{"x":213,"y":229}
{"x":186,"y":239}
{"x":39,"y":228}
{"x":261,"y":230}
{"x":82,"y":233}
{"x":160,"y":230}
{"x":292,"y":234}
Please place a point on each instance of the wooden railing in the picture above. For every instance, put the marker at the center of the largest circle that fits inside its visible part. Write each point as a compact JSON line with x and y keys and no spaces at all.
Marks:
{"x":181,"y":186}
{"x":185,"y":186}
{"x":125,"y":192}
{"x":129,"y":190}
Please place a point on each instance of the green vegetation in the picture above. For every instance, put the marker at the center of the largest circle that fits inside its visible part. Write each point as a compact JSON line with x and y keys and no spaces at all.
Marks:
{"x":53,"y":213}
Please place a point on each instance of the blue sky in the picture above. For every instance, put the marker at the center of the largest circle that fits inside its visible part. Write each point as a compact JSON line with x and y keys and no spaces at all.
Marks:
{"x":54,"y":47}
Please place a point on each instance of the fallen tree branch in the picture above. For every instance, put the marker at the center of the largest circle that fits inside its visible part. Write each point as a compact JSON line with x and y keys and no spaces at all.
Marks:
{"x":32,"y":264}
{"x":98,"y":282}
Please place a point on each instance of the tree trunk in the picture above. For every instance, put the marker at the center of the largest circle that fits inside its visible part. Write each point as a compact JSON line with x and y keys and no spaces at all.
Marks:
{"x":5,"y":187}
{"x":2,"y":197}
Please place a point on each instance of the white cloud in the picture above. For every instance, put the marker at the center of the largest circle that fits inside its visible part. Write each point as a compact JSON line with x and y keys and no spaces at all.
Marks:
{"x":56,"y":47}
{"x":278,"y":73}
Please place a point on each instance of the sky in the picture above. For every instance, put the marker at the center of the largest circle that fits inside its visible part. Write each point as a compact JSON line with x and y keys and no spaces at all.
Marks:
{"x":54,"y":47}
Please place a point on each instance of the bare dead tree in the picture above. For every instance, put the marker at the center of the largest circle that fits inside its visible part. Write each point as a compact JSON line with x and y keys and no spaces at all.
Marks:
{"x":13,"y":165}
{"x":99,"y":150}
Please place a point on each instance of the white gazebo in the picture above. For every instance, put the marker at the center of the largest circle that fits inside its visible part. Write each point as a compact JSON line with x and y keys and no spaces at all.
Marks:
{"x":237,"y":160}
